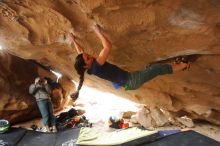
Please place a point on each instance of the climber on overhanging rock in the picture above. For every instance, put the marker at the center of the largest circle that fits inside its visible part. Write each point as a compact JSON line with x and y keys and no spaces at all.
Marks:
{"x":119,"y":77}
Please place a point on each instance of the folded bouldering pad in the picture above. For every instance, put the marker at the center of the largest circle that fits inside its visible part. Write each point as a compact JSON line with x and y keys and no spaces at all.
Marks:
{"x":129,"y":137}
{"x":23,"y":137}
{"x":187,"y":138}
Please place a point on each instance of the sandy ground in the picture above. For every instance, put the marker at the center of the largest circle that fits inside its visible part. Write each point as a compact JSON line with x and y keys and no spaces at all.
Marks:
{"x":101,"y":106}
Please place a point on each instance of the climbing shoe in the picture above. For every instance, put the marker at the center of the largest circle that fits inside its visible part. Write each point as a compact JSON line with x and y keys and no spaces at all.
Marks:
{"x":179,"y":60}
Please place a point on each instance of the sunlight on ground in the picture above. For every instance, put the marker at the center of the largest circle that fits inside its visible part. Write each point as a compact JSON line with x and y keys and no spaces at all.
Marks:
{"x":100,"y":105}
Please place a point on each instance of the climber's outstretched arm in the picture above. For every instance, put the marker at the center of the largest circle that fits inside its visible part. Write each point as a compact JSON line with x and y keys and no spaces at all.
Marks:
{"x":103,"y":55}
{"x":79,"y":49}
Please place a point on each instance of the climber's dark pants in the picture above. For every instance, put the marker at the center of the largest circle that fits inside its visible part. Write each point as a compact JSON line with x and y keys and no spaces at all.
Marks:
{"x":136,"y":79}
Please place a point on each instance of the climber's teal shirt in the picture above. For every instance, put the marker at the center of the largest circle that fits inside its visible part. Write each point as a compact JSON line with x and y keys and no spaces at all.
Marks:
{"x":109,"y":72}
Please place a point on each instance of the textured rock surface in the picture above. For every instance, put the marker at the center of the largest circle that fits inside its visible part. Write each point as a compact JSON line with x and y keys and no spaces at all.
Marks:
{"x":142,"y":31}
{"x":16,"y":75}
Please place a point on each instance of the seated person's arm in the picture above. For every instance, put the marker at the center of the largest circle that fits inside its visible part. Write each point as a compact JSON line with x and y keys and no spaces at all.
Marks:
{"x":33,"y":89}
{"x":48,"y":89}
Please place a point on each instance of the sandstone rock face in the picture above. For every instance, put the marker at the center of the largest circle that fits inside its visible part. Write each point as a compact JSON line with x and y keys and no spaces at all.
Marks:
{"x":142,"y":31}
{"x":151,"y":118}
